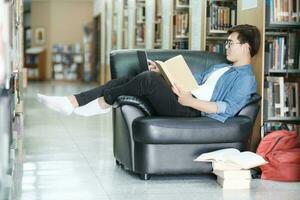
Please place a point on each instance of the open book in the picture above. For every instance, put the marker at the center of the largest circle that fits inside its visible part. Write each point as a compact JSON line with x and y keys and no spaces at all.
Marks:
{"x":175,"y":70}
{"x":245,"y":160}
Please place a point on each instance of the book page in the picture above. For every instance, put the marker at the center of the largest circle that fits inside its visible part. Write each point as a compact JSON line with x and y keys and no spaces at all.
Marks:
{"x":162,"y":68}
{"x":219,"y":155}
{"x":247,"y":159}
{"x":221,"y":165}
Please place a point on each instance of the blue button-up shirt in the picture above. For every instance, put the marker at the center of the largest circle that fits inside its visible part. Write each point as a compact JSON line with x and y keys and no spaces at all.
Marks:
{"x":232,"y":91}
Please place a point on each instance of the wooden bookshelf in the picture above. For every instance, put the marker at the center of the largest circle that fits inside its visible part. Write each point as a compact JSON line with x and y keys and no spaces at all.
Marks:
{"x":221,"y":15}
{"x":35,"y":63}
{"x":11,"y":95}
{"x":281,"y":62}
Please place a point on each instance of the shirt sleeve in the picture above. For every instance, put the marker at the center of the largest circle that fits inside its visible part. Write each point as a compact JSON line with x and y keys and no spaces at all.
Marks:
{"x":237,"y":97}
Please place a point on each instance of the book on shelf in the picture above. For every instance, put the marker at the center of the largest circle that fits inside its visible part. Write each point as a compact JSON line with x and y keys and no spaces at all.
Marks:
{"x":233,"y":174}
{"x":275,"y":96}
{"x":181,"y":24}
{"x":282,"y":52}
{"x":174,"y":70}
{"x":282,"y":11}
{"x":281,"y":98}
{"x":245,"y":160}
{"x":275,"y":126}
{"x":222,"y":16}
{"x":234,"y":184}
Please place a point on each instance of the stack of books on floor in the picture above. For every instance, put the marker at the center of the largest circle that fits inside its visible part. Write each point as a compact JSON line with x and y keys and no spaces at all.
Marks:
{"x":233,"y":179}
{"x":232,"y":167}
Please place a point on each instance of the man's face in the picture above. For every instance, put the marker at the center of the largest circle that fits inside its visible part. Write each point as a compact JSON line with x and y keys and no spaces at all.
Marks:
{"x":234,"y":49}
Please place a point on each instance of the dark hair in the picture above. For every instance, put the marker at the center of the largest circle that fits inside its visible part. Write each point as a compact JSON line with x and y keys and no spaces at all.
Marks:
{"x":247,"y":34}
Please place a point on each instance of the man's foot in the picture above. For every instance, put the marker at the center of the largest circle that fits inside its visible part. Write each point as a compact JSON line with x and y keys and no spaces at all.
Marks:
{"x":92,"y":108}
{"x":60,"y":104}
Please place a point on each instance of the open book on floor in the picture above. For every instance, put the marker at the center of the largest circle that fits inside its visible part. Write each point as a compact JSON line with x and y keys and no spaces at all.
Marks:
{"x":245,"y":160}
{"x":174,"y":70}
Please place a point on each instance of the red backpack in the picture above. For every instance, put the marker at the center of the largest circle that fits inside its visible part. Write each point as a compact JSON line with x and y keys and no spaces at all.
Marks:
{"x":282,"y":150}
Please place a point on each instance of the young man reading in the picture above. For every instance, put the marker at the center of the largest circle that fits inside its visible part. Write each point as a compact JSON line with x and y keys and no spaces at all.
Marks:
{"x":224,"y":89}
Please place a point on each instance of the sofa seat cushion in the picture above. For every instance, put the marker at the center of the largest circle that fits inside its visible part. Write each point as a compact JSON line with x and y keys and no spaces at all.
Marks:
{"x":200,"y":130}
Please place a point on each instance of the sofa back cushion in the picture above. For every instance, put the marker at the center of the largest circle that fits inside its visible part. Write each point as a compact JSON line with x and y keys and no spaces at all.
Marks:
{"x":125,"y":62}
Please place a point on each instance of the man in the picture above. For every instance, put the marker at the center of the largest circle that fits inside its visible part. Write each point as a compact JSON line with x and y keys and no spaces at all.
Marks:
{"x":230,"y":86}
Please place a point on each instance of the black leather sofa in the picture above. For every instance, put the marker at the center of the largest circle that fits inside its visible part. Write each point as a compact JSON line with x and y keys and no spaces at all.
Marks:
{"x":148,"y":144}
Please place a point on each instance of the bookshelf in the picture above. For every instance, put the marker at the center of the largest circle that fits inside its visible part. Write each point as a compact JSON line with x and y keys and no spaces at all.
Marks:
{"x":281,"y":66}
{"x":125,"y":25}
{"x":35,"y":63}
{"x":181,"y":23}
{"x":140,"y":24}
{"x":157,"y":24}
{"x":66,"y":62}
{"x":221,"y":15}
{"x":115,"y":10}
{"x":11,"y":95}
{"x":87,"y":72}
{"x":153,"y":22}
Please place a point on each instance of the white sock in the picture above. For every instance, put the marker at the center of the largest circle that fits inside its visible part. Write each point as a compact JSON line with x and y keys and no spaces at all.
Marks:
{"x":90,"y":109}
{"x":59,"y":104}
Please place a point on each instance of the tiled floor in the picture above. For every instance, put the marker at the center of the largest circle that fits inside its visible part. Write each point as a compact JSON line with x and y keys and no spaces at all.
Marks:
{"x":71,"y":158}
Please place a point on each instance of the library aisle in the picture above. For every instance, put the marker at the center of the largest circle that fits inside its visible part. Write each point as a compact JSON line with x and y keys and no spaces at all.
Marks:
{"x":71,"y":158}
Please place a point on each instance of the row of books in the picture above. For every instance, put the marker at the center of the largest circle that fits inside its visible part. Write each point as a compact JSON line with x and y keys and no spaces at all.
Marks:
{"x":275,"y":126}
{"x":66,"y":60}
{"x":221,"y":17}
{"x":282,"y":52}
{"x":11,"y":116}
{"x":140,"y":33}
{"x":283,"y":10}
{"x":157,"y":32}
{"x":215,"y":47}
{"x":181,"y":25}
{"x":281,"y":98}
{"x":64,"y":48}
{"x":32,"y":59}
{"x":181,"y":44}
{"x":140,"y":11}
{"x":65,"y":72}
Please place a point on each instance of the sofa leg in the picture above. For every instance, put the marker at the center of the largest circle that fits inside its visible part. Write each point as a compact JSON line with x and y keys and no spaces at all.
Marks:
{"x":119,"y":164}
{"x":145,"y":177}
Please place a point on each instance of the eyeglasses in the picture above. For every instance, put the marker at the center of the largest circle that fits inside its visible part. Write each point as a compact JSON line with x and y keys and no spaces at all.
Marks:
{"x":229,"y":43}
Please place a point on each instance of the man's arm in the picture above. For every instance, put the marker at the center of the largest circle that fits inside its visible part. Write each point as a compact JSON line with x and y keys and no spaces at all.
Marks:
{"x":186,"y":99}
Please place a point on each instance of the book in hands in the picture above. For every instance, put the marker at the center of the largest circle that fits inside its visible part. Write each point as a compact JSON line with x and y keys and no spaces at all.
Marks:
{"x":245,"y":160}
{"x":175,"y":70}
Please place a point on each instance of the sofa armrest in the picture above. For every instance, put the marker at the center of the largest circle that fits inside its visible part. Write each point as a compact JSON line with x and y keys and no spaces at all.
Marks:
{"x":137,"y":102}
{"x":251,"y":108}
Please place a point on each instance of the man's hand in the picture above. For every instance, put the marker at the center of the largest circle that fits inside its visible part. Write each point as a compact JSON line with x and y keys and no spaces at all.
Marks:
{"x":184,"y":98}
{"x":152,"y":66}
